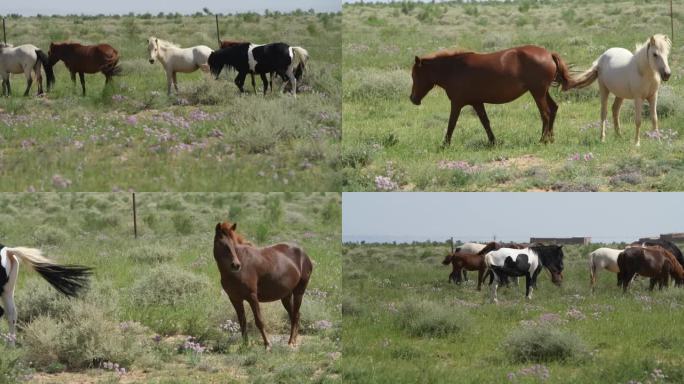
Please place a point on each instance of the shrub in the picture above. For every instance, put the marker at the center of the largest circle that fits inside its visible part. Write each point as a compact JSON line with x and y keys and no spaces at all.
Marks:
{"x":182,"y":223}
{"x":429,"y":319}
{"x":166,"y":285}
{"x":332,"y":211}
{"x":38,"y":298}
{"x":543,"y":344}
{"x":152,"y":253}
{"x":369,"y":83}
{"x":49,"y":235}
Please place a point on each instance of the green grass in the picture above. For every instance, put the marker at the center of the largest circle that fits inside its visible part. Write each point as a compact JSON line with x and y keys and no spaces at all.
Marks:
{"x":166,"y":283}
{"x":607,"y":337}
{"x":207,"y":138}
{"x":386,"y":135}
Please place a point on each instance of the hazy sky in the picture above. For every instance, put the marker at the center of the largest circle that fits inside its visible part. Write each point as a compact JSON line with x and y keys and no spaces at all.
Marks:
{"x":510,"y":216}
{"x":49,"y":7}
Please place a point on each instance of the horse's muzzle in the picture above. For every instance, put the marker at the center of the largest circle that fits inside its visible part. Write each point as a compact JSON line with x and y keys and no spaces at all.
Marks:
{"x":235,"y":267}
{"x":414,"y":100}
{"x":666,"y":76}
{"x":151,"y":61}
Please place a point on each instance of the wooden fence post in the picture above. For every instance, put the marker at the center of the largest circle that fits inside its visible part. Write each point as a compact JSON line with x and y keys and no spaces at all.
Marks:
{"x":135,"y":219}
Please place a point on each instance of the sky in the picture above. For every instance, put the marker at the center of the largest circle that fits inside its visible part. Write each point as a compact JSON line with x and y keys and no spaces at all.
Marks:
{"x":606,"y":217}
{"x":90,"y":7}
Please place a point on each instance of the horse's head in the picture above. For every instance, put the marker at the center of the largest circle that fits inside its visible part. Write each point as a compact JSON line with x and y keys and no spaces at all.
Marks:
{"x":552,"y":259}
{"x":55,"y":53}
{"x":447,"y":259}
{"x":657,"y":50}
{"x":153,"y":48}
{"x":422,"y":81}
{"x":225,"y":241}
{"x":215,"y":66}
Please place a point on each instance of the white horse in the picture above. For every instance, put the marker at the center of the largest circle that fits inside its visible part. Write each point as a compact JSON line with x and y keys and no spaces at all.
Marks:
{"x":629,"y":76}
{"x":24,"y":59}
{"x":472,"y":248}
{"x":603,"y":258}
{"x":67,"y":279}
{"x":176,"y":59}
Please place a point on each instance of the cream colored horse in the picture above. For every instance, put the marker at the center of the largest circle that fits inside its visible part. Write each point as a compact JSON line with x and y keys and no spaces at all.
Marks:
{"x":630,"y":76}
{"x":176,"y":59}
{"x":26,"y":59}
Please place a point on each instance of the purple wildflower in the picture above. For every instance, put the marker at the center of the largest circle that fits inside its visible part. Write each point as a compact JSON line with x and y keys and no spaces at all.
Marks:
{"x":118,"y":97}
{"x":132,"y":120}
{"x":384,"y":183}
{"x":230,"y":326}
{"x":60,"y":181}
{"x":457,"y":164}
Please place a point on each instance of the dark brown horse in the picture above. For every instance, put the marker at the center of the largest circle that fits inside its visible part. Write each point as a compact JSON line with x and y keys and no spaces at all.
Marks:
{"x":467,"y":261}
{"x":495,"y":78}
{"x":654,"y":262}
{"x":83,"y":59}
{"x":252,"y":274}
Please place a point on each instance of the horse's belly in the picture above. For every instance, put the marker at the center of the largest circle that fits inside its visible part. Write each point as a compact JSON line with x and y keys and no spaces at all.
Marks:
{"x":276,"y":289}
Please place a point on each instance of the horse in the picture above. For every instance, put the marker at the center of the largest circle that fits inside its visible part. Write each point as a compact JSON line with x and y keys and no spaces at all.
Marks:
{"x":24,"y":59}
{"x":655,"y":262}
{"x":176,"y":59}
{"x":603,"y":258}
{"x":466,"y":261}
{"x":260,"y":59}
{"x":67,"y":279}
{"x":83,"y":59}
{"x":526,"y":262}
{"x":629,"y":76}
{"x":474,"y":79}
{"x":455,"y":275}
{"x":252,"y":274}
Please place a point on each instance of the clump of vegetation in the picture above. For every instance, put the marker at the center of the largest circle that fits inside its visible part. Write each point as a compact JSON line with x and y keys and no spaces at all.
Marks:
{"x":543,"y":344}
{"x":166,"y":285}
{"x":425,"y":318}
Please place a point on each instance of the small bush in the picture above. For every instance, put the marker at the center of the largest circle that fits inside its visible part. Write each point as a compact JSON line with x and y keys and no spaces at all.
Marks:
{"x":543,"y":344}
{"x":48,"y":235}
{"x":332,"y":212}
{"x":152,"y":253}
{"x":182,"y":223}
{"x":166,"y":285}
{"x":37,"y":298}
{"x":430,"y":319}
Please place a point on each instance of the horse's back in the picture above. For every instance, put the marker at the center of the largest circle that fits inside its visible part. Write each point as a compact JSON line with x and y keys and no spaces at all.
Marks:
{"x":297,"y":255}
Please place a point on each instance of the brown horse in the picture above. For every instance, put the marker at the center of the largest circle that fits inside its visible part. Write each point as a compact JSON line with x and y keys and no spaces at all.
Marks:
{"x":495,"y":78}
{"x":86,"y":59}
{"x":467,"y":261}
{"x":654,"y":262}
{"x":277,"y":272}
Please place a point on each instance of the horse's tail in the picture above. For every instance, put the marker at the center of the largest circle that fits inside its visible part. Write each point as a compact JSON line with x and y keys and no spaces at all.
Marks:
{"x":49,"y":73}
{"x":563,"y":77}
{"x":111,"y":67}
{"x":585,"y":78}
{"x":300,"y":56}
{"x":67,"y":279}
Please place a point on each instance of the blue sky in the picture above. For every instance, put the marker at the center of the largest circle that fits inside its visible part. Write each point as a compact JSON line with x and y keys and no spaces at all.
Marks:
{"x":605,"y":217}
{"x":49,"y":7}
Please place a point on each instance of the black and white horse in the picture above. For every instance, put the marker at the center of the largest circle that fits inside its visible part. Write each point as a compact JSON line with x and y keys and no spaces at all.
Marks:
{"x":67,"y":279}
{"x":248,"y":58}
{"x":527,"y":262}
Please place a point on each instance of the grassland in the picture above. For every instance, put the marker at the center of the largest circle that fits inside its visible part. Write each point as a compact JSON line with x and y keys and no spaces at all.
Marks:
{"x":206,"y":138}
{"x":461,"y":338}
{"x":148,"y":295}
{"x":385,"y":135}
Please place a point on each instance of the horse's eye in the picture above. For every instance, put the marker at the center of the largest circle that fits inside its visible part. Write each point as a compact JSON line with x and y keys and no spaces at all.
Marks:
{"x":655,"y":55}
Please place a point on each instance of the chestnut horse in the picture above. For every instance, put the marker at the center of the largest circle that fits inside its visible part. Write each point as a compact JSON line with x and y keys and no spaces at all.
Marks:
{"x":86,"y":59}
{"x":277,"y":272}
{"x":467,"y":261}
{"x":654,"y":262}
{"x":495,"y":78}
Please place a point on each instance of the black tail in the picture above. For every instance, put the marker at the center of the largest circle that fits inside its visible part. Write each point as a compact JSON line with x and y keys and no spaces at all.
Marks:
{"x":49,"y":74}
{"x":67,"y":279}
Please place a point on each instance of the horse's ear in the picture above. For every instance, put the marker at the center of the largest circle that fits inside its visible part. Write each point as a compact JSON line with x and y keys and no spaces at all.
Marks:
{"x":418,"y":61}
{"x":233,"y":227}
{"x":218,"y":227}
{"x":652,"y":41}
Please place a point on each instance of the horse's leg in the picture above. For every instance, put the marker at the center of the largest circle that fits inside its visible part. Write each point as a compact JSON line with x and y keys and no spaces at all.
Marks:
{"x":482,"y":114}
{"x":169,"y":82}
{"x":528,"y":286}
{"x":253,"y":301}
{"x":553,"y":108}
{"x":29,"y":81}
{"x":264,"y":81}
{"x":81,"y":77}
{"x":494,"y":283}
{"x":293,"y":83}
{"x":544,"y":112}
{"x":242,"y":319}
{"x":604,"y":109}
{"x":270,"y":82}
{"x":73,"y":79}
{"x":8,"y":303}
{"x":480,"y":277}
{"x":453,"y":118}
{"x":652,"y":282}
{"x":296,"y":305}
{"x":638,"y":106}
{"x":253,"y":83}
{"x":240,"y":81}
{"x":39,"y":77}
{"x":617,"y":104}
{"x":652,"y":102}
{"x":9,"y":89}
{"x":288,"y":304}
{"x":175,"y":82}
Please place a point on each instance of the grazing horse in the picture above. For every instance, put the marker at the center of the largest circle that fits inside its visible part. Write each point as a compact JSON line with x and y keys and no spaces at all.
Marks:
{"x":465,"y":248}
{"x":466,"y":261}
{"x":526,"y":262}
{"x":603,"y":258}
{"x":655,"y":262}
{"x":277,"y":272}
{"x":67,"y":279}
{"x":176,"y":59}
{"x":260,"y":59}
{"x":24,"y":59}
{"x":495,"y":78}
{"x":629,"y":76}
{"x":83,"y":59}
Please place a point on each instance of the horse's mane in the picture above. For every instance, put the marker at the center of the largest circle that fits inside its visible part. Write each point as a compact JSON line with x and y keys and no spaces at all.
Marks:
{"x":544,"y":250}
{"x":165,"y":43}
{"x":445,"y":53}
{"x":661,"y":41}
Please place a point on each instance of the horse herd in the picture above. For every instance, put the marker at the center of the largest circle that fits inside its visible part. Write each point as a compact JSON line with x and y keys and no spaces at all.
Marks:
{"x":474,"y":79}
{"x":289,"y":63}
{"x":248,"y":273}
{"x":657,"y":259}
